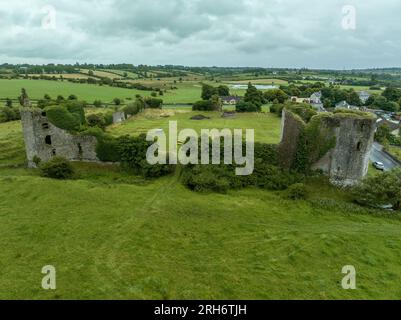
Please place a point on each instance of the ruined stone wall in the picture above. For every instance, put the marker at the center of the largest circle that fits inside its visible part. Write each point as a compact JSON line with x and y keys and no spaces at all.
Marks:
{"x":118,"y":117}
{"x":348,"y":162}
{"x":292,"y":127}
{"x":44,"y":140}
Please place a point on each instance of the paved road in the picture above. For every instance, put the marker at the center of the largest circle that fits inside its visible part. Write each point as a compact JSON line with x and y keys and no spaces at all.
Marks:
{"x":377,"y":155}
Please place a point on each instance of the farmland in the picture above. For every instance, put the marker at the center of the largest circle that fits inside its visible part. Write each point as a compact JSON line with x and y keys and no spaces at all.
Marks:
{"x":113,"y":235}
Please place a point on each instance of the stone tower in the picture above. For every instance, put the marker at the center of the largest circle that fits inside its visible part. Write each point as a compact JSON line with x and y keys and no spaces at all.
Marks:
{"x":346,"y":163}
{"x":43,"y":140}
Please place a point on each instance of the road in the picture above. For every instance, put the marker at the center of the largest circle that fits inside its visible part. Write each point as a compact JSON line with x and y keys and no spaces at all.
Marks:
{"x":377,"y":155}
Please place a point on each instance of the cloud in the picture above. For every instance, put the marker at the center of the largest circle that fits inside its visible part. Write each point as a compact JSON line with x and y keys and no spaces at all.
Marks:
{"x":282,"y":33}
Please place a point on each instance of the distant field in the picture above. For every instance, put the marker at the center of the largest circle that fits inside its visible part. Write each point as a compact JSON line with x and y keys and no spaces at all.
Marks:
{"x":121,"y":73}
{"x":260,"y":81}
{"x":102,"y":74}
{"x":38,"y":88}
{"x":65,"y":76}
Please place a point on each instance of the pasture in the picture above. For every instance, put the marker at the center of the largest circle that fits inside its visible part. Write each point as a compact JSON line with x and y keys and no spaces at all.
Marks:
{"x":113,"y":235}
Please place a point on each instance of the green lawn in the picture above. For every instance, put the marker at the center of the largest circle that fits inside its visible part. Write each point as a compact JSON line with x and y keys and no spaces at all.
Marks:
{"x":266,"y":126}
{"x":112,"y":235}
{"x":186,"y":93}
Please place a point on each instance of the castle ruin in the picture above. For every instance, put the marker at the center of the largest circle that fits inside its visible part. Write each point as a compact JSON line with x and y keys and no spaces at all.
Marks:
{"x":348,"y":138}
{"x":43,"y":140}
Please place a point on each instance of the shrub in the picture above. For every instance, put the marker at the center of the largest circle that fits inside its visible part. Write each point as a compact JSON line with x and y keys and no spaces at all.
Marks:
{"x":96,"y":120}
{"x":380,"y":190}
{"x":117,"y":101}
{"x":297,"y":191}
{"x":133,"y":157}
{"x":57,"y":168}
{"x":243,"y":106}
{"x":133,"y":108}
{"x":36,"y":160}
{"x":204,"y":105}
{"x":154,"y":103}
{"x":107,"y":149}
{"x":63,"y":119}
{"x":206,"y":178}
{"x":77,"y":108}
{"x":97,"y":103}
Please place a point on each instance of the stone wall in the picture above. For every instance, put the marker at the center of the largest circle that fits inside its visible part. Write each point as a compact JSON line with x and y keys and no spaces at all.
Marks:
{"x":291,"y":128}
{"x":348,"y":162}
{"x":44,"y":140}
{"x":118,"y":117}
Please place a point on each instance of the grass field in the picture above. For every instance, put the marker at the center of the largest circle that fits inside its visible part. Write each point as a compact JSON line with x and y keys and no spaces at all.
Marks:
{"x":186,"y":93}
{"x":266,"y":126}
{"x":112,"y":235}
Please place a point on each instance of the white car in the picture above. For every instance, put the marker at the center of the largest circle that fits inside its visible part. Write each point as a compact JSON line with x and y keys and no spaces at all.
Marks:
{"x":378,"y":165}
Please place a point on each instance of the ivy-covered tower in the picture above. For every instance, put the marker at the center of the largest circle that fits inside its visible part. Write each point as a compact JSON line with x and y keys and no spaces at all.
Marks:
{"x":43,"y":140}
{"x":338,"y":144}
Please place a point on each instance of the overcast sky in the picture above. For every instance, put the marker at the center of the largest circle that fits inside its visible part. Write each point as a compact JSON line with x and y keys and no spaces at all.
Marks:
{"x":263,"y":33}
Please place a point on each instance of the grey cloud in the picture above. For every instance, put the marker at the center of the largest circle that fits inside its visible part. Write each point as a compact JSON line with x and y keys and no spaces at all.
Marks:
{"x":203,"y":32}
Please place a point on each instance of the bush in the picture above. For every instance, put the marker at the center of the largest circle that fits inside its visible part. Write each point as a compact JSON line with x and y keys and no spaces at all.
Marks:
{"x":133,"y":108}
{"x":57,"y":168}
{"x":154,"y":103}
{"x":97,"y":104}
{"x":96,"y":120}
{"x":63,"y":119}
{"x":206,"y":178}
{"x":133,"y":157}
{"x":204,"y":105}
{"x":117,"y":101}
{"x":297,"y":191}
{"x":107,"y":149}
{"x":243,"y":106}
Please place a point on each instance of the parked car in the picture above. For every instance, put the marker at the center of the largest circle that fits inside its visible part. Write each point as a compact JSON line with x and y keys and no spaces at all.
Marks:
{"x":378,"y":166}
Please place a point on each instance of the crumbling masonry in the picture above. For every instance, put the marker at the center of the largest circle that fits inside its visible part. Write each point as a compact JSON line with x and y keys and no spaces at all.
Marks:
{"x":44,"y":140}
{"x":348,"y":161}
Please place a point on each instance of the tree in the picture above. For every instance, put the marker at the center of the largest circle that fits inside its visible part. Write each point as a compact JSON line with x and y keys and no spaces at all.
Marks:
{"x":246,"y":106}
{"x":391,"y":106}
{"x":223,"y":91}
{"x":380,"y":102}
{"x":117,"y":101}
{"x":217,"y":103}
{"x":276,"y":94}
{"x":9,"y":103}
{"x":208,"y":91}
{"x":380,"y":190}
{"x":72,"y":97}
{"x":392,"y":94}
{"x":203,"y":105}
{"x":60,"y":99}
{"x":353,"y":98}
{"x":383,"y":133}
{"x":254,"y":96}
